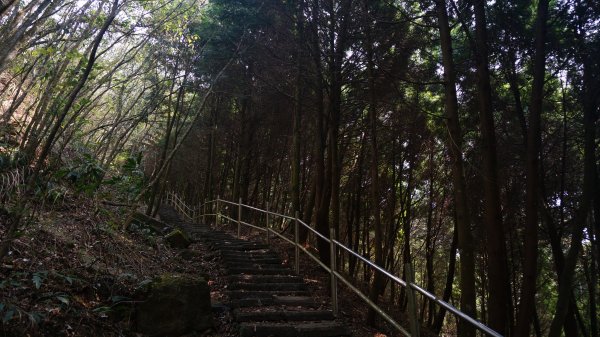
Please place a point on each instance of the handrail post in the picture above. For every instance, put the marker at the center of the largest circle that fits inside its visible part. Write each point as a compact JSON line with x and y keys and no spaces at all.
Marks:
{"x":204,"y":212}
{"x":267,"y":225}
{"x":198,"y":212}
{"x":334,"y":299}
{"x":412,"y":302}
{"x":217,"y":213}
{"x":297,"y":245}
{"x":239,"y":218}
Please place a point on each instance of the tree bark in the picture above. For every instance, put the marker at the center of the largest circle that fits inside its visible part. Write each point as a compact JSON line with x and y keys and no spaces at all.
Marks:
{"x":296,"y":122}
{"x":5,"y":5}
{"x":528,"y":286}
{"x":590,"y":117}
{"x":454,"y":144}
{"x":377,"y":285}
{"x":27,"y":28}
{"x":439,"y":317}
{"x":15,"y":222}
{"x":497,"y":267}
{"x":75,"y":92}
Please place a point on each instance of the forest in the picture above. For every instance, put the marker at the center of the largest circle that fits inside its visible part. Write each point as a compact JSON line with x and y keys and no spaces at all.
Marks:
{"x":459,"y":136}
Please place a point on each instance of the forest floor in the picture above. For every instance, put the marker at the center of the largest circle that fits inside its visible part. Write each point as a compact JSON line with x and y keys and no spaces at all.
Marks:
{"x":69,"y":268}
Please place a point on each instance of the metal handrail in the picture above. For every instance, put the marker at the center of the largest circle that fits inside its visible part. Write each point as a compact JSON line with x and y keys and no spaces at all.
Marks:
{"x":314,"y":231}
{"x":411,"y":286}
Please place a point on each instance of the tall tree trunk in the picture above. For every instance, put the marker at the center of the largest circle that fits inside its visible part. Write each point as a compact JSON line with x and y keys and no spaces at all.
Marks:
{"x":497,"y":267}
{"x":570,"y":326}
{"x":356,"y":202}
{"x":429,"y":242}
{"x":27,"y":28}
{"x":208,"y":180}
{"x":323,"y":193}
{"x":5,"y":5}
{"x":15,"y":222}
{"x":154,"y":199}
{"x":337,"y":45}
{"x":454,"y":144}
{"x":439,"y":317}
{"x":75,"y":92}
{"x":377,"y":285}
{"x":528,"y":288}
{"x":590,"y":117}
{"x":298,"y":93}
{"x":407,"y":203}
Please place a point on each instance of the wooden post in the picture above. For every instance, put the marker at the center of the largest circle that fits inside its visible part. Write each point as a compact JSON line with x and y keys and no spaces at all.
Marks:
{"x":267,"y":225}
{"x":334,"y":299}
{"x":412,"y":301}
{"x":297,"y":245}
{"x":204,"y":212}
{"x":198,"y":211}
{"x":217,"y":213}
{"x":240,"y":218}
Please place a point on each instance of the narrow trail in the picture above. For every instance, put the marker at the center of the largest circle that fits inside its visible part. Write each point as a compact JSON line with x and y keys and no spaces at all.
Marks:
{"x":267,"y":297}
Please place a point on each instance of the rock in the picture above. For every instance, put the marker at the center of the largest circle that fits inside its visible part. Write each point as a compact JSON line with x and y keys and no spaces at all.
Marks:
{"x":176,"y":305}
{"x":178,"y":239}
{"x":142,"y":220}
{"x":189,"y":254}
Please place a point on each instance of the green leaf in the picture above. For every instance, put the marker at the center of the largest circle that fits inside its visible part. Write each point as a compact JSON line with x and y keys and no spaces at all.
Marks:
{"x":35,"y":317}
{"x":102,"y":309}
{"x":63,"y":299}
{"x":38,"y":277}
{"x":69,"y":279}
{"x":145,"y":283}
{"x":116,"y":299}
{"x":2,"y":306}
{"x":37,"y":280}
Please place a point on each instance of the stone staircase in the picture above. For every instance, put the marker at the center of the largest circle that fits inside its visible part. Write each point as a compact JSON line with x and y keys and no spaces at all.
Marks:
{"x":267,"y":298}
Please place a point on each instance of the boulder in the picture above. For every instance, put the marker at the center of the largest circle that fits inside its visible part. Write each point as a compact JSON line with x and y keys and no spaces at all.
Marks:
{"x":176,"y":304}
{"x":178,"y":239}
{"x":142,"y":220}
{"x":189,"y":255}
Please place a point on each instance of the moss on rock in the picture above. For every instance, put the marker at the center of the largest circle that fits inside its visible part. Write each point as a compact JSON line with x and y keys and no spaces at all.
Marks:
{"x":176,"y":304}
{"x":178,"y":239}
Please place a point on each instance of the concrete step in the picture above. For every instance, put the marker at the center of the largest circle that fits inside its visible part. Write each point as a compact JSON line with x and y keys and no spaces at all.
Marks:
{"x":245,"y":261}
{"x":239,"y":294}
{"x":267,"y":286}
{"x":251,"y":271}
{"x":223,"y":239}
{"x":248,"y":255}
{"x":257,"y":266}
{"x":308,"y":329}
{"x":281,"y":301}
{"x":283,"y":315}
{"x":238,"y":247}
{"x":265,"y":278}
{"x":211,"y":237}
{"x":290,"y":300}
